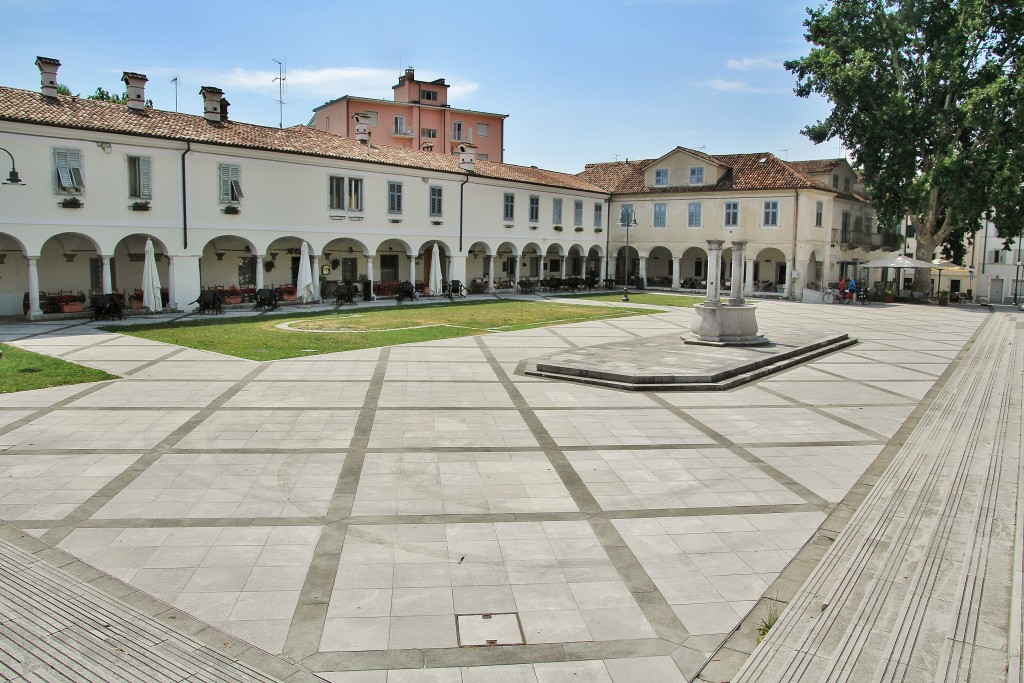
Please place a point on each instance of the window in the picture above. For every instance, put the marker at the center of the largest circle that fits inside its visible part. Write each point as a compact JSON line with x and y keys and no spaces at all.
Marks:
{"x":428,"y":95}
{"x":510,"y":207}
{"x":694,"y":215}
{"x":598,"y":214}
{"x":911,"y":231}
{"x":456,"y":130}
{"x":869,"y":225}
{"x":660,"y":215}
{"x":556,"y":210}
{"x":771,"y":213}
{"x":483,"y":157}
{"x":697,"y":175}
{"x":819,"y":214}
{"x":661,"y":177}
{"x":732,"y":214}
{"x":68,"y":165}
{"x":835,"y":180}
{"x":435,"y":200}
{"x":483,"y":129}
{"x":394,"y":197}
{"x":230,"y":183}
{"x":355,"y":194}
{"x":846,"y":185}
{"x":626,"y":215}
{"x":534,"y":208}
{"x":1000,"y":256}
{"x":369,"y":118}
{"x":577,"y":212}
{"x":399,"y":128}
{"x":336,"y":192}
{"x":139,"y":185}
{"x":428,"y":132}
{"x":845,"y":235}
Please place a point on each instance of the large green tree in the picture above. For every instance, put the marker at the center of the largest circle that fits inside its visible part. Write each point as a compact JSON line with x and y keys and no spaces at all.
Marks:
{"x":926,"y":94}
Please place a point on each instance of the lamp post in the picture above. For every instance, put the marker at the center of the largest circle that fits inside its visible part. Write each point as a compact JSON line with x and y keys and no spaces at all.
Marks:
{"x":12,"y":178}
{"x":627,"y":219}
{"x":1016,"y":281}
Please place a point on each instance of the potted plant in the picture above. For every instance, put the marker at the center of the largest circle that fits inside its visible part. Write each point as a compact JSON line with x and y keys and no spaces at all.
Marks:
{"x":943,"y":297}
{"x":558,"y":228}
{"x":233,"y":296}
{"x":598,"y":229}
{"x":889,"y":296}
{"x":231,"y":209}
{"x":71,"y":203}
{"x":579,"y":228}
{"x":140,"y":206}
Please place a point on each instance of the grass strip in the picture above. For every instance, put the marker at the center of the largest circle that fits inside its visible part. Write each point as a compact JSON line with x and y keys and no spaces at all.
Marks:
{"x":22,"y":370}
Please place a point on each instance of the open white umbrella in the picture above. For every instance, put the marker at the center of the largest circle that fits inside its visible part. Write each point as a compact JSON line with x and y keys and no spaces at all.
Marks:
{"x":151,"y":297}
{"x":436,"y":283}
{"x":304,"y":284}
{"x":896,"y":261}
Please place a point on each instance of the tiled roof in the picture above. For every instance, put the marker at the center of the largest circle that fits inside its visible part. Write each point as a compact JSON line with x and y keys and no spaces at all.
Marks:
{"x":816,"y":166}
{"x":26,"y":106}
{"x":762,"y":171}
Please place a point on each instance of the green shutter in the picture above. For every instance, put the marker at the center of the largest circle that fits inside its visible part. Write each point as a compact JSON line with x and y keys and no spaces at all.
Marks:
{"x":145,"y":186}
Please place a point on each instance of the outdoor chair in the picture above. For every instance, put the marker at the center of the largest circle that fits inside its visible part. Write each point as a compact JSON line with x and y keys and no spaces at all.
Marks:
{"x":209,"y":302}
{"x":344,"y":294}
{"x":406,"y":290}
{"x":107,"y":307}
{"x":265,"y":298}
{"x":456,"y":289}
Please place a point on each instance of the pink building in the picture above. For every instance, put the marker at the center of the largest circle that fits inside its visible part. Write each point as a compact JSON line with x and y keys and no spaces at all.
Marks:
{"x":419,"y":118}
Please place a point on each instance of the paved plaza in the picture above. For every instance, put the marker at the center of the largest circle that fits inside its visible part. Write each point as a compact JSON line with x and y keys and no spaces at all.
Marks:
{"x":428,"y":512}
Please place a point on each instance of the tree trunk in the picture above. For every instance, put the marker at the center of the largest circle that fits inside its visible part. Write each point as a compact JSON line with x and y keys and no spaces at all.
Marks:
{"x":923,"y":276}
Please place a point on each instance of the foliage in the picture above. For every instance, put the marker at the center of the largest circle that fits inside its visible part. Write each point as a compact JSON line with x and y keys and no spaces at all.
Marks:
{"x":102,"y":95}
{"x":771,"y":615}
{"x":23,"y":370}
{"x":926,"y":95}
{"x":329,"y":332}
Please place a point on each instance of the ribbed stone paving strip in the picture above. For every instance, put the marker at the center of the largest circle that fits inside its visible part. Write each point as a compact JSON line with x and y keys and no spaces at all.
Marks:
{"x":921,"y":583}
{"x":56,"y":627}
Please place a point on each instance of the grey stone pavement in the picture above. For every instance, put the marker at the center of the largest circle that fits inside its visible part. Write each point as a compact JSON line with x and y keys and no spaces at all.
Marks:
{"x":386,"y":514}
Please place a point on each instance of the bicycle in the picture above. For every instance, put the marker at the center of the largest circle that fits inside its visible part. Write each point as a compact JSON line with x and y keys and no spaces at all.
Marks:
{"x":834,"y":296}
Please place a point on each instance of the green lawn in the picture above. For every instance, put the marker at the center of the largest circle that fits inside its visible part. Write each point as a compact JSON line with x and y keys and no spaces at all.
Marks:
{"x":262,"y":338}
{"x":23,"y":370}
{"x":676,"y":300}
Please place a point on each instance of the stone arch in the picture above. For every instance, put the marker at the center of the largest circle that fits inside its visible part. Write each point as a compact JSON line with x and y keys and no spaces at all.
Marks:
{"x":70,"y":261}
{"x":14,"y":269}
{"x":815,"y":272}
{"x":694,"y":269}
{"x":769,"y":270}
{"x":659,"y":267}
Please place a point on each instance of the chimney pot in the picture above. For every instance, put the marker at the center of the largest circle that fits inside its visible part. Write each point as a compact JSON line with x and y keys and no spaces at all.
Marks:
{"x":213,"y":98}
{"x":48,"y":73}
{"x":136,"y":85}
{"x":467,"y":158}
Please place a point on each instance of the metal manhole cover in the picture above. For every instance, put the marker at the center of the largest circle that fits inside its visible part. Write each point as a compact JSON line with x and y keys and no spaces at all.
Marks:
{"x":484,"y":630}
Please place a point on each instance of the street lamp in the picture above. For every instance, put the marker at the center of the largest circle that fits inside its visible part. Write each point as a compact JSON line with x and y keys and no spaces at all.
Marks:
{"x":1016,"y":282}
{"x":12,"y":178}
{"x":627,"y":220}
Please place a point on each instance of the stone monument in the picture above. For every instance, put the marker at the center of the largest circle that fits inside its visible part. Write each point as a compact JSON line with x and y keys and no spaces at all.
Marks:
{"x":732,"y":323}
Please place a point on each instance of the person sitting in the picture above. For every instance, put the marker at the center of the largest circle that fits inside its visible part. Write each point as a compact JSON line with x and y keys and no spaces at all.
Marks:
{"x":851,"y":288}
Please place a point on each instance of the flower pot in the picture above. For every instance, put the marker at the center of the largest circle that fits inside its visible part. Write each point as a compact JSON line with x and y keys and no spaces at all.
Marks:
{"x":71,"y":307}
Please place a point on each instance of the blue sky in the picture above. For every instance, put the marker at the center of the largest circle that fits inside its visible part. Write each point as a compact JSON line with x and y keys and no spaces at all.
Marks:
{"x":581,"y":81}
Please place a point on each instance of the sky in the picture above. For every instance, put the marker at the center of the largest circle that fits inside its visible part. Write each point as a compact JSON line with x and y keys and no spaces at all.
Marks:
{"x":580,"y":81}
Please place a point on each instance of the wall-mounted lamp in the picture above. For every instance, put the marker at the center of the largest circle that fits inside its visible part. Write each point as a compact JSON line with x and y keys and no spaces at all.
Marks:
{"x":273,"y":255}
{"x":105,"y":146}
{"x":13,"y":178}
{"x":70,"y":257}
{"x":219,"y":255}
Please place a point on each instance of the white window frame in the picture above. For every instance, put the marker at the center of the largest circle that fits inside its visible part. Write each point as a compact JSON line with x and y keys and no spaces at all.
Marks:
{"x":660,"y":218}
{"x":770,"y":213}
{"x":508,"y":211}
{"x":457,"y":130}
{"x":625,"y":211}
{"x":731,"y":209}
{"x":394,"y":197}
{"x":428,"y":95}
{"x":556,"y":211}
{"x":140,"y":177}
{"x":230,"y":183}
{"x":661,"y":177}
{"x":695,"y":215}
{"x":399,"y":125}
{"x":577,"y":212}
{"x":436,"y":201}
{"x":819,"y":214}
{"x":69,"y":178}
{"x":428,"y":133}
{"x":598,"y":214}
{"x":335,"y":193}
{"x":696,"y":175}
{"x":354,"y":197}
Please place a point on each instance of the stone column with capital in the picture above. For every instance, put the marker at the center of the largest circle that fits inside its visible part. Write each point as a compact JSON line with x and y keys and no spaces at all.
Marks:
{"x":34,"y":311}
{"x":736,"y":295}
{"x":642,"y":274}
{"x":369,"y":274}
{"x":259,"y":271}
{"x":105,"y":277}
{"x":748,"y":280}
{"x":315,"y":258}
{"x":714,"y":268}
{"x":673,"y":273}
{"x":489,"y":267}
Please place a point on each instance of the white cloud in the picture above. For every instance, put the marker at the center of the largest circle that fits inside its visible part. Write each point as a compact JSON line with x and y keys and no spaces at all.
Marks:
{"x":753,"y":63}
{"x":722,"y":85}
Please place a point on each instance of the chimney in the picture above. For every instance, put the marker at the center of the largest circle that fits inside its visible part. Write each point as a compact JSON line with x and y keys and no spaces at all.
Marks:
{"x":362,"y":130}
{"x":467,"y":158}
{"x":410,"y":74}
{"x":48,"y":71}
{"x":212,"y":99}
{"x":136,"y":84}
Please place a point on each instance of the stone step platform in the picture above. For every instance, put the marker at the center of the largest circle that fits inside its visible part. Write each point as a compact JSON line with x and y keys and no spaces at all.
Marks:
{"x":925,"y":581}
{"x":59,"y":624}
{"x":665,"y":363}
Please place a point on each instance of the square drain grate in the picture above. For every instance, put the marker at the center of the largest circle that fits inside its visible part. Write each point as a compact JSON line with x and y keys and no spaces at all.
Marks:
{"x":484,"y":630}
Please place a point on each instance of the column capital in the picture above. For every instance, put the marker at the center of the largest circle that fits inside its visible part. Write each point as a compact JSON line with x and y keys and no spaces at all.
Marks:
{"x":739,"y":244}
{"x":715,"y":245}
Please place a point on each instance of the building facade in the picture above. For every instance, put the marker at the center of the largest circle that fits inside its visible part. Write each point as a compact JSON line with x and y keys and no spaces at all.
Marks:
{"x":419,"y":118}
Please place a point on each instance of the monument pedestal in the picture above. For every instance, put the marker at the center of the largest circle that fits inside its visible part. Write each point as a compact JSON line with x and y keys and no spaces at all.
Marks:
{"x":725,"y":326}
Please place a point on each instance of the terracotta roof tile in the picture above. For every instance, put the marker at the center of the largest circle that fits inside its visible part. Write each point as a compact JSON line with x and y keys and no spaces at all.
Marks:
{"x":816,"y":166}
{"x":28,"y":106}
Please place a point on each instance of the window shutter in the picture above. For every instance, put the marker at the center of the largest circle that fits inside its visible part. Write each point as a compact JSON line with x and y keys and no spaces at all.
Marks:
{"x":75,"y":168}
{"x":60,"y":158}
{"x":225,"y":183}
{"x":145,"y":186}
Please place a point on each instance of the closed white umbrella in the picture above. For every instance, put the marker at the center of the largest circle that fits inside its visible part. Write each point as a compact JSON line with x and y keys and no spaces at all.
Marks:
{"x":304,"y":284}
{"x":151,"y":297}
{"x":436,"y":282}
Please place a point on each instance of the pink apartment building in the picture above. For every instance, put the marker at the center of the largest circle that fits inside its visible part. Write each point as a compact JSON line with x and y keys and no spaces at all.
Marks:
{"x":419,"y":118}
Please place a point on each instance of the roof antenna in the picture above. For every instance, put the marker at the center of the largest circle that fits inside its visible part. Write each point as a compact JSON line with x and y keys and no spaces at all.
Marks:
{"x":615,"y":157}
{"x":786,"y":157}
{"x":280,"y":80}
{"x":175,"y":82}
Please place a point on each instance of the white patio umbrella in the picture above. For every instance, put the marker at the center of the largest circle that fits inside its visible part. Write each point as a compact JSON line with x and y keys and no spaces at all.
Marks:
{"x":896,"y":261}
{"x":304,"y":284}
{"x":436,"y":282}
{"x":151,"y":297}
